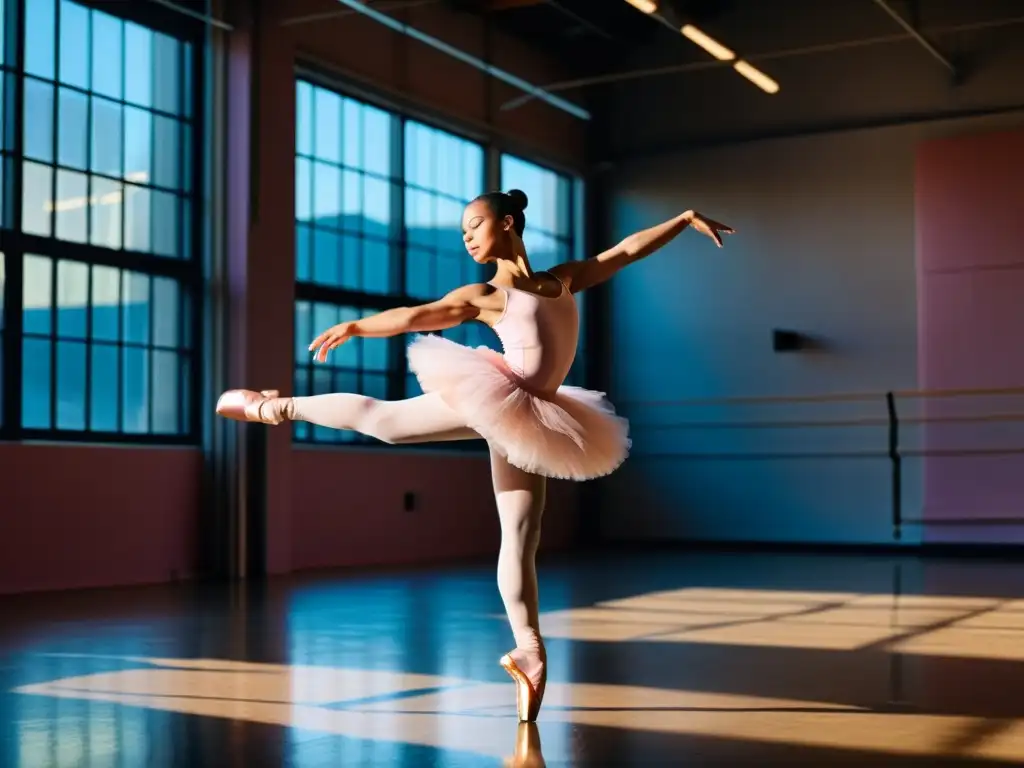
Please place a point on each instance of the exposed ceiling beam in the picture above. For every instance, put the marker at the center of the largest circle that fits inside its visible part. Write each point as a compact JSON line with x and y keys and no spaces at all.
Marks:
{"x":912,"y":31}
{"x":439,"y":45}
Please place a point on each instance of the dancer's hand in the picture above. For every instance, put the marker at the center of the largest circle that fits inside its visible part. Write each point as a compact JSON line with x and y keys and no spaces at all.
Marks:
{"x":709,"y":227}
{"x":329,"y":339}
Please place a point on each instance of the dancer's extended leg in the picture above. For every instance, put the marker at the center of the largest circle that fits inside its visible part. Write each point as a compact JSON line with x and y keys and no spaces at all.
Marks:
{"x":520,"y":498}
{"x":416,"y":420}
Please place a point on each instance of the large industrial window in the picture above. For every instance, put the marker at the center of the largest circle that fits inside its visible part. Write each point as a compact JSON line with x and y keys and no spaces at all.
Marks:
{"x":347,"y":243}
{"x":442,"y":174}
{"x":99,"y":212}
{"x":379,"y":199}
{"x":378,"y":208}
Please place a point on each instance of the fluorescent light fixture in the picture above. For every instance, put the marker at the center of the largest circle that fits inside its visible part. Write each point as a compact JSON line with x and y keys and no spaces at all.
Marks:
{"x":647,"y":6}
{"x":756,"y":76}
{"x":709,"y":44}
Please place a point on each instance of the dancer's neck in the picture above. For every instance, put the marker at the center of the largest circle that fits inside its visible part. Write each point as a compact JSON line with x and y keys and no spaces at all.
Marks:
{"x":514,"y":269}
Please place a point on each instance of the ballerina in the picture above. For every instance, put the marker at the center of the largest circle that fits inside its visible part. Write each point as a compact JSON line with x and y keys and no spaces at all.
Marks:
{"x":535,"y":426}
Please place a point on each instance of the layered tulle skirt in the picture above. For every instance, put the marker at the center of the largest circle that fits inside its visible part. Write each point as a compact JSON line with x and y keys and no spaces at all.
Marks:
{"x":571,"y":433}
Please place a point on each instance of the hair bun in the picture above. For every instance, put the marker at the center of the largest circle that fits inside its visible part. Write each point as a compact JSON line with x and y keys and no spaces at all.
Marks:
{"x":518,"y":198}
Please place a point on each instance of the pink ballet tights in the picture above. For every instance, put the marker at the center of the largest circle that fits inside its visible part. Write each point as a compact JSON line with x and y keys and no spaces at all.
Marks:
{"x":520,"y":498}
{"x":423,"y":419}
{"x":519,"y":495}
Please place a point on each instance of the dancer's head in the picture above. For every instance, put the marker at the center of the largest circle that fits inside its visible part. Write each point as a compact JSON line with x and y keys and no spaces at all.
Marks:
{"x":489,"y":222}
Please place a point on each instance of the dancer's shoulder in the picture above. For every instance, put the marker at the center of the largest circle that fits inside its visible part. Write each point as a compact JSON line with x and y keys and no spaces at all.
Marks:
{"x":481,"y":295}
{"x":472,"y":291}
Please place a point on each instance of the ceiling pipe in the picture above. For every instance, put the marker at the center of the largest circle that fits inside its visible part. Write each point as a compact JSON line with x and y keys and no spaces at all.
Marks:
{"x":489,"y":69}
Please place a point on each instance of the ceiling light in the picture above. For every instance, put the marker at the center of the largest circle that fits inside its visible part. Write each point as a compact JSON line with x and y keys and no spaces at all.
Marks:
{"x":647,"y":6}
{"x":709,"y":44}
{"x":756,"y":76}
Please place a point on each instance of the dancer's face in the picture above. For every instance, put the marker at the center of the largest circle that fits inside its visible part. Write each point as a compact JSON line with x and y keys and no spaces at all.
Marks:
{"x":486,"y":236}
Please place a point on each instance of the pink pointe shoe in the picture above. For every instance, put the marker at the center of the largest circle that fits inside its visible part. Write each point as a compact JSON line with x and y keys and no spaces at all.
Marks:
{"x":528,"y":695}
{"x":247,"y":405}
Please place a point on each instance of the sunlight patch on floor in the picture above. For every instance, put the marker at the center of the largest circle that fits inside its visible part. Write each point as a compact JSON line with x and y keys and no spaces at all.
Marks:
{"x":478,"y":717}
{"x":925,"y":625}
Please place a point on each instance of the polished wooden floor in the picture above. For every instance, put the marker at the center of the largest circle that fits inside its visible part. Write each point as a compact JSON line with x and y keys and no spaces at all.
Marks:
{"x":655,"y":659}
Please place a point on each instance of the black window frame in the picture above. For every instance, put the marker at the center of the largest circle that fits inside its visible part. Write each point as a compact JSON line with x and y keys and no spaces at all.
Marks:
{"x":15,"y":245}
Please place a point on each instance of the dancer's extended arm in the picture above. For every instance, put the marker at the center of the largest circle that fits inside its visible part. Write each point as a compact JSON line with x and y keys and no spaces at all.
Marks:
{"x":580,"y":275}
{"x":462,"y":304}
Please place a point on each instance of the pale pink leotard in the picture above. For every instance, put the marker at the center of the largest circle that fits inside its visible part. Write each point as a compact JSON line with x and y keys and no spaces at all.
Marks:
{"x":517,"y":401}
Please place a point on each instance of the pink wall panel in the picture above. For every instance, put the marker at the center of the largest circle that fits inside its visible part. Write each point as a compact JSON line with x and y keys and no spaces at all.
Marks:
{"x":970,"y":262}
{"x":75,"y":516}
{"x":968,"y":319}
{"x":969,"y":202}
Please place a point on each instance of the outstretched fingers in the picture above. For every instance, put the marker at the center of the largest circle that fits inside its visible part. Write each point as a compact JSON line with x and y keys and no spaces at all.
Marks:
{"x":713,"y":229}
{"x":325,"y":342}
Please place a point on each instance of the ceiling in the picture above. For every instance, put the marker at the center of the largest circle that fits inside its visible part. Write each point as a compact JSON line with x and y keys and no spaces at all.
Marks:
{"x":596,"y":36}
{"x":589,"y":35}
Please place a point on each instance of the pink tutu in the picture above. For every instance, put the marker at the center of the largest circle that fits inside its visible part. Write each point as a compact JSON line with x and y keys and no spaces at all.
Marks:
{"x":571,"y":433}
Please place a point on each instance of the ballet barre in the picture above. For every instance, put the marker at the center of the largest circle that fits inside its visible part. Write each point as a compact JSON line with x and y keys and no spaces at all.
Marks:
{"x":890,"y":420}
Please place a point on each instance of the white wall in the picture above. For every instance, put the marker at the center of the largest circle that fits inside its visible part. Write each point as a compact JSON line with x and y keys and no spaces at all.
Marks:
{"x":825,"y":246}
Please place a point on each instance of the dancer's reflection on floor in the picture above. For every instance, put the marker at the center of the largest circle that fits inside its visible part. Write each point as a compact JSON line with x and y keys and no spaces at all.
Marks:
{"x":528,"y":753}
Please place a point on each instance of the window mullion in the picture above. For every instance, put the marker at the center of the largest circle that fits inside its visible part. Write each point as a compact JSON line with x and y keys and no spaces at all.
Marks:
{"x":197,"y":375}
{"x":14,"y":43}
{"x":399,"y":252}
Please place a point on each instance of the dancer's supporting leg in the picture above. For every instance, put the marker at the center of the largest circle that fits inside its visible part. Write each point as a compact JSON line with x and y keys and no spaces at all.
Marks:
{"x":520,"y":498}
{"x":416,"y":420}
